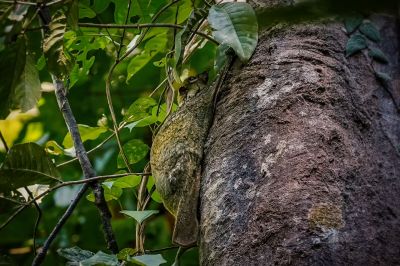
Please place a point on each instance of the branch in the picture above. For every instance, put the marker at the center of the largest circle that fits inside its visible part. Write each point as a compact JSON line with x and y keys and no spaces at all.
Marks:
{"x":88,"y":172}
{"x":144,"y":25}
{"x":51,"y":189}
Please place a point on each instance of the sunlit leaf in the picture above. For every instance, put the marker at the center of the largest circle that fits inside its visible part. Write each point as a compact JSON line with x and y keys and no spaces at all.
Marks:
{"x":52,"y":147}
{"x":355,"y":44}
{"x":148,"y":120}
{"x":27,"y":164}
{"x":149,"y":260}
{"x":128,"y":181}
{"x":86,"y":132}
{"x":139,"y":109}
{"x":235,"y":24}
{"x":135,"y":151}
{"x":140,"y":216}
{"x":152,"y":48}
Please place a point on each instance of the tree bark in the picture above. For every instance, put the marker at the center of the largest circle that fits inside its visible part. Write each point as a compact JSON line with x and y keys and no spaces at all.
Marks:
{"x":302,"y":163}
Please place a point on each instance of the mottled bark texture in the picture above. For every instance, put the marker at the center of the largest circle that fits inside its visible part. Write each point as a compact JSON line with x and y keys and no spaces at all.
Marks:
{"x":302,"y":164}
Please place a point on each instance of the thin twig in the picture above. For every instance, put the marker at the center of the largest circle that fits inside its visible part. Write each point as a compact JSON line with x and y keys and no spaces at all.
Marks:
{"x":64,"y":184}
{"x":161,"y":249}
{"x":41,"y":255}
{"x":39,"y":211}
{"x":145,"y":25}
{"x":30,"y":3}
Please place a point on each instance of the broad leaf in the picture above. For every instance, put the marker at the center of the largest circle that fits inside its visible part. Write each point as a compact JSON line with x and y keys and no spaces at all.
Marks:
{"x":148,"y":120}
{"x":86,"y":12}
{"x":355,"y":44}
{"x":27,"y":164}
{"x":135,"y":151}
{"x":139,"y":109}
{"x":378,"y":55}
{"x":128,"y":181}
{"x":235,"y":24}
{"x":140,"y":216}
{"x":86,"y":132}
{"x":149,"y":260}
{"x":100,"y":258}
{"x":151,"y":49}
{"x":75,"y":253}
{"x":12,"y":65}
{"x":27,"y":92}
{"x":370,"y":31}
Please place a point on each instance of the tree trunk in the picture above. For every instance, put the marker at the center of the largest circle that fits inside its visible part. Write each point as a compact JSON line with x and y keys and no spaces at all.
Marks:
{"x":302,"y":164}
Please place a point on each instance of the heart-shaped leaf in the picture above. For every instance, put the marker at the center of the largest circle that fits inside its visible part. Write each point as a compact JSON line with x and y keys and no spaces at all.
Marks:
{"x":235,"y":24}
{"x":140,"y":216}
{"x":149,"y":260}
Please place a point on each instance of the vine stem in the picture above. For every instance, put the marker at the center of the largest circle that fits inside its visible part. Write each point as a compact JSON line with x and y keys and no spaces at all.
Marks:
{"x":88,"y":172}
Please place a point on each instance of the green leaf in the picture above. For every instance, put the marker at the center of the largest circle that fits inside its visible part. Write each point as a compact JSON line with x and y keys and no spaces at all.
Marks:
{"x":41,"y":63}
{"x":85,"y":11}
{"x":140,"y":216}
{"x":52,"y":147}
{"x":235,"y":24}
{"x":135,"y":151}
{"x":149,"y":260}
{"x":220,"y":61}
{"x":86,"y":132}
{"x":113,"y":193}
{"x":74,"y":254}
{"x":100,"y":6}
{"x":27,"y":92}
{"x":100,"y":258}
{"x":125,"y":253}
{"x":370,"y":31}
{"x":352,"y":23}
{"x":139,"y":109}
{"x":155,"y":195}
{"x":12,"y":65}
{"x":151,"y":49}
{"x":378,"y":55}
{"x":129,"y":181}
{"x":27,"y":164}
{"x":146,"y":121}
{"x":355,"y":44}
{"x":73,"y":14}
